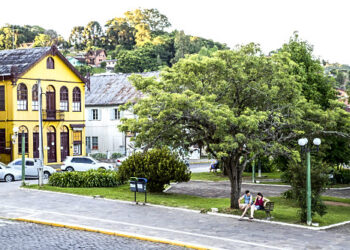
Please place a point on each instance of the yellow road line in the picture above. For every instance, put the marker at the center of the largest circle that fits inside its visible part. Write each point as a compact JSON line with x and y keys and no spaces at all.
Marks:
{"x":144,"y":238}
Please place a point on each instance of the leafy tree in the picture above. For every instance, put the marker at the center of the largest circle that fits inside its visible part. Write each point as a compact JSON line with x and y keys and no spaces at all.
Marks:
{"x":315,"y":86}
{"x":239,"y":104}
{"x":8,"y":38}
{"x":92,"y":34}
{"x":76,"y":37}
{"x":119,"y":33}
{"x":44,"y":40}
{"x":156,"y":21}
{"x":185,"y":44}
{"x":340,"y":79}
{"x":140,"y":59}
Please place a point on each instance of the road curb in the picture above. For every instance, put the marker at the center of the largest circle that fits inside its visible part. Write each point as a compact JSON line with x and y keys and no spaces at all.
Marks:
{"x":115,"y":233}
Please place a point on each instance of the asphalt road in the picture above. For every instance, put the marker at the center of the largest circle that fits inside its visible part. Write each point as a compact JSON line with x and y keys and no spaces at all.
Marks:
{"x":222,"y":189}
{"x":21,"y":235}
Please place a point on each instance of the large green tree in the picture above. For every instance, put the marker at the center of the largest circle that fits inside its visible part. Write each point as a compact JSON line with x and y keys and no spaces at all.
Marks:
{"x":239,"y":104}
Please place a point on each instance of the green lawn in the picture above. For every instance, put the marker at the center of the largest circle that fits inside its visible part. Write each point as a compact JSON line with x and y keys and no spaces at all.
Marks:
{"x":206,"y":176}
{"x":285,"y":210}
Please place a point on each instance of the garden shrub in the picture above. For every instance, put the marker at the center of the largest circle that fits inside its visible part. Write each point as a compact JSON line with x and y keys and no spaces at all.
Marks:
{"x":87,"y":179}
{"x":341,"y":176}
{"x":99,"y":156}
{"x":116,"y":155}
{"x":159,"y":166}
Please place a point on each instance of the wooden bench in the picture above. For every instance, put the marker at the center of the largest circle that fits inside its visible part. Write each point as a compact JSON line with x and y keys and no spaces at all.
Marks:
{"x":268,"y":208}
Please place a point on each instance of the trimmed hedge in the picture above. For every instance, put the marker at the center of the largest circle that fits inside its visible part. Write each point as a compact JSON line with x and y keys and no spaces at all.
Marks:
{"x":99,"y":156}
{"x":159,"y":166}
{"x":87,"y":179}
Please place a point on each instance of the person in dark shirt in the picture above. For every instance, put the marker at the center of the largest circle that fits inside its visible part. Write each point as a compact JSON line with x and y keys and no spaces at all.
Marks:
{"x":258,"y":204}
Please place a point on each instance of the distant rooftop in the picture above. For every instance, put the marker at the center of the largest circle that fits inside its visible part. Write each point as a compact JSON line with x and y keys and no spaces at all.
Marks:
{"x":113,"y":89}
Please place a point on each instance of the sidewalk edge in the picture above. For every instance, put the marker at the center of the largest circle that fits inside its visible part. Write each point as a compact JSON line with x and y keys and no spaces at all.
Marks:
{"x":115,"y":233}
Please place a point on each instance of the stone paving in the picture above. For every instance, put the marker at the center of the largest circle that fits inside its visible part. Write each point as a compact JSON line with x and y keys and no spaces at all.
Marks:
{"x":221,"y":189}
{"x":21,"y":235}
{"x":187,"y":226}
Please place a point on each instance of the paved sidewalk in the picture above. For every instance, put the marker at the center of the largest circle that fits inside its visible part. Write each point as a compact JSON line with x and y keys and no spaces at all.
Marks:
{"x":171,"y":224}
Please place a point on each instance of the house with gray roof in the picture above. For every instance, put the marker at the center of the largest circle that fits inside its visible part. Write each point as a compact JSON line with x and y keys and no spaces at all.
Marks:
{"x":107,"y":92}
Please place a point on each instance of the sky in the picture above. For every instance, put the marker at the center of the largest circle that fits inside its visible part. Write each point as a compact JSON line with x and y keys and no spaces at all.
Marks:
{"x":270,"y":23}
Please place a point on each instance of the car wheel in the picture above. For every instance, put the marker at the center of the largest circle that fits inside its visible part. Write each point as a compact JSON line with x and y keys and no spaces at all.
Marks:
{"x":46,"y":175}
{"x":69,"y":169}
{"x":9,"y":178}
{"x":102,"y":168}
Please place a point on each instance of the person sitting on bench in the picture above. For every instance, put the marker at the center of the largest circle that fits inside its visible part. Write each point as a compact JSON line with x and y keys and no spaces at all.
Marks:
{"x":259,"y":204}
{"x":214,"y":166}
{"x":248,"y":201}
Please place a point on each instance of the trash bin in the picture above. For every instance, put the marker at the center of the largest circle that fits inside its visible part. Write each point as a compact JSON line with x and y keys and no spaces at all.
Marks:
{"x":141,"y":185}
{"x":133,"y":184}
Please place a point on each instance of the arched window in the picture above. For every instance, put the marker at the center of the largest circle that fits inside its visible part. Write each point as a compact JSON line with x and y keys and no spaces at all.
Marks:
{"x":22,"y":129}
{"x":64,"y":99}
{"x":36,"y":142}
{"x":22,"y":97}
{"x":76,"y":99}
{"x":50,"y":63}
{"x":35,"y":103}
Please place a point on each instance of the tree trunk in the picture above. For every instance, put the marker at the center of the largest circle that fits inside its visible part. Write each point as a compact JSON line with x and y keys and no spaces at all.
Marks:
{"x":235,"y":175}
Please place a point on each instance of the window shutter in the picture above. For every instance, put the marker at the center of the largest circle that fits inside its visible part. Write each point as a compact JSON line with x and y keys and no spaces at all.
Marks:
{"x":122,"y":114}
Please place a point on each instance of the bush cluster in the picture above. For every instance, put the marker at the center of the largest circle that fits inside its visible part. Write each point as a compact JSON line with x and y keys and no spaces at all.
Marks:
{"x":99,"y":156}
{"x":341,"y":176}
{"x":87,"y":179}
{"x":116,"y":155}
{"x":159,"y":166}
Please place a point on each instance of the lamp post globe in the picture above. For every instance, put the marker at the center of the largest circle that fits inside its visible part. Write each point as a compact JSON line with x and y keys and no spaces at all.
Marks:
{"x":302,"y":142}
{"x":317,"y":141}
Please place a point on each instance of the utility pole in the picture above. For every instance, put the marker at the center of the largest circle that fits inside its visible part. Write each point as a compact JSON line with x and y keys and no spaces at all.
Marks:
{"x":41,"y":151}
{"x":23,"y":158}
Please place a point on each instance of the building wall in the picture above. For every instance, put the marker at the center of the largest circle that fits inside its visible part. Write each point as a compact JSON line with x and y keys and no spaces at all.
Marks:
{"x":29,"y":118}
{"x":106,"y":129}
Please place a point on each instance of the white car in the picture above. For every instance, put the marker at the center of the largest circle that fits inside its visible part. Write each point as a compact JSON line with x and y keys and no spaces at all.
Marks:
{"x":9,"y":174}
{"x":84,"y":163}
{"x":31,"y":168}
{"x":120,"y":160}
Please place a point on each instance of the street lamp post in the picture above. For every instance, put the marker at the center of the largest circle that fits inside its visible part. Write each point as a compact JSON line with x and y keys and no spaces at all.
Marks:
{"x":303,"y":143}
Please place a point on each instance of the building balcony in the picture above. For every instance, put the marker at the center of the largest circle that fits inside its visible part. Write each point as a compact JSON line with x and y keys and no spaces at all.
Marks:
{"x":53,"y":115}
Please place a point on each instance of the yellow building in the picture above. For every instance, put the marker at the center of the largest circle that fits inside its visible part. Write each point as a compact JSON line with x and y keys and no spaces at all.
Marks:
{"x":62,"y":104}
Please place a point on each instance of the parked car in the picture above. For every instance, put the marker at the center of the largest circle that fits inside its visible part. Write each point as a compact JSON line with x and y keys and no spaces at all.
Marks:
{"x":84,"y":163}
{"x":31,"y":168}
{"x":120,"y":160}
{"x":9,"y":174}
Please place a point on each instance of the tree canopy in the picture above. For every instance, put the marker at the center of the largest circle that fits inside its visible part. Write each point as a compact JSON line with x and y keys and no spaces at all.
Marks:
{"x":237,"y":104}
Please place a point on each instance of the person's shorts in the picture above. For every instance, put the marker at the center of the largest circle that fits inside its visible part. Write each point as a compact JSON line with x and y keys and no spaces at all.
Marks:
{"x":257,"y":208}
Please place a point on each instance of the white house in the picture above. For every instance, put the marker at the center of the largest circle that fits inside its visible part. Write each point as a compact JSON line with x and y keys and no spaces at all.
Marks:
{"x":102,"y":102}
{"x":110,"y":64}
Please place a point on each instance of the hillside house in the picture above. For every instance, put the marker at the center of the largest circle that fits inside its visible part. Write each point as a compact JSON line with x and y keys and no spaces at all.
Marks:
{"x":95,"y":57}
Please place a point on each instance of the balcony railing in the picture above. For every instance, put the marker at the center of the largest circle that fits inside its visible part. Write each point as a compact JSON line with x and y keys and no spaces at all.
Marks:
{"x":53,"y":115}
